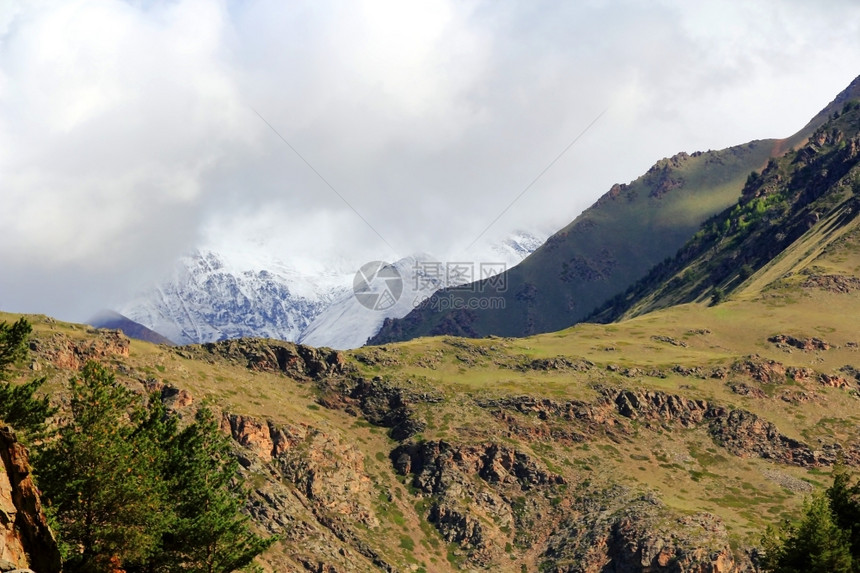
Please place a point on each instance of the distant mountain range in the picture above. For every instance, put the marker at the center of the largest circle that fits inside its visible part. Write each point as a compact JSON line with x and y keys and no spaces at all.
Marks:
{"x":214,"y":296}
{"x":605,"y":250}
{"x":132,"y":329}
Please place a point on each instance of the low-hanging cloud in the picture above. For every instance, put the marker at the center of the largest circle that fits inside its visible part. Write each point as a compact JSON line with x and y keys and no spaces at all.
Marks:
{"x":129,"y":130}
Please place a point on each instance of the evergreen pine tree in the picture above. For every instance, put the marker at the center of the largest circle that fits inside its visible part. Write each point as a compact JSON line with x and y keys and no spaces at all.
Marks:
{"x":815,"y":545}
{"x":100,"y":480}
{"x":18,"y":404}
{"x":210,"y":535}
{"x":845,"y":502}
{"x":13,"y":344}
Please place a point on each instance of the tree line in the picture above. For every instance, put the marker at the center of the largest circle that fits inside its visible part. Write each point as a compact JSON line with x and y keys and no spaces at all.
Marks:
{"x":125,"y":486}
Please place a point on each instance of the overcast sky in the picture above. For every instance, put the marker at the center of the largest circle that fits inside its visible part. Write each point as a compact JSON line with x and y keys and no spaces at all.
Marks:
{"x":129,"y":130}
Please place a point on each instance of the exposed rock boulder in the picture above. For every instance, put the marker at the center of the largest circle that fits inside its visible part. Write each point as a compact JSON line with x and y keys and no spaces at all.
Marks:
{"x":172,"y":397}
{"x":805,"y":344}
{"x":834,"y":381}
{"x":611,"y":531}
{"x":68,"y":353}
{"x":295,"y":360}
{"x":26,"y":540}
{"x":746,"y":390}
{"x":761,"y":369}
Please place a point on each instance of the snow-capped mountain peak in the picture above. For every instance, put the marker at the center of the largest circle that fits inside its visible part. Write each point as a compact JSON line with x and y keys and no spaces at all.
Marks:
{"x":246,"y":292}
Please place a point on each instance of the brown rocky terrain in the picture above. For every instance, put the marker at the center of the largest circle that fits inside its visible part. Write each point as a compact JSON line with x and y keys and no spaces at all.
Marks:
{"x":26,"y":541}
{"x":667,"y":443}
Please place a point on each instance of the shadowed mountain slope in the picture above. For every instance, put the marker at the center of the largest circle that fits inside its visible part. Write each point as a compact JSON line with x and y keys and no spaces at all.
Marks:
{"x":798,"y":206}
{"x":606,"y":249}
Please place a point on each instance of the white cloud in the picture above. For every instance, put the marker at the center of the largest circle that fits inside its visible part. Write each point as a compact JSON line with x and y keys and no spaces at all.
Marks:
{"x":128,"y":131}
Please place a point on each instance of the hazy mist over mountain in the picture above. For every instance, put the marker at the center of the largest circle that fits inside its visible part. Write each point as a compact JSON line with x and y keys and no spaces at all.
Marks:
{"x":134,"y":132}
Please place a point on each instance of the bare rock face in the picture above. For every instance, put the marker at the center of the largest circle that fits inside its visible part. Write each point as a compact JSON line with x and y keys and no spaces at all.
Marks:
{"x":614,"y":532}
{"x":662,"y":407}
{"x":805,"y":344}
{"x":331,"y":474}
{"x":761,"y":370}
{"x":67,"y":353}
{"x":263,"y":438}
{"x":315,"y":485}
{"x":832,"y":283}
{"x":295,"y":360}
{"x":380,"y":402}
{"x":25,"y":539}
{"x":476,"y":493}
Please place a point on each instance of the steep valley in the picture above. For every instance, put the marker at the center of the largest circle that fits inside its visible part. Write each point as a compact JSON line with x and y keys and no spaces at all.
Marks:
{"x":666,"y":442}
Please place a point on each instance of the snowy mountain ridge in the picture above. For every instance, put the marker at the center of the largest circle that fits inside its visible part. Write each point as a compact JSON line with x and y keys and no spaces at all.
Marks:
{"x":212,"y":296}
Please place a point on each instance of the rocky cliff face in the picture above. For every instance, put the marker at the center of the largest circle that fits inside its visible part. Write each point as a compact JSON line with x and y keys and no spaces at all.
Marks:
{"x":26,"y":542}
{"x":65,"y":352}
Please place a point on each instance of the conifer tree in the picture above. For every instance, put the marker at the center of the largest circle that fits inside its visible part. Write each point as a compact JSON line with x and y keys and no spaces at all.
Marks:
{"x":102,"y":489}
{"x":13,"y":344}
{"x":18,"y":404}
{"x":844,"y":499}
{"x":815,"y":545}
{"x":210,"y":534}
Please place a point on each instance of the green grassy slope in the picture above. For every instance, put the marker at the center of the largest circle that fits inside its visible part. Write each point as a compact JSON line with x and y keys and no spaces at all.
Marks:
{"x":609,"y":246}
{"x":606,"y":249}
{"x":551,"y":398}
{"x":792,"y":210}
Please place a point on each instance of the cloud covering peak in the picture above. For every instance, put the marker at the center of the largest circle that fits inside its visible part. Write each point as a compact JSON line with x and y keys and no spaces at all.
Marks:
{"x":129,"y":130}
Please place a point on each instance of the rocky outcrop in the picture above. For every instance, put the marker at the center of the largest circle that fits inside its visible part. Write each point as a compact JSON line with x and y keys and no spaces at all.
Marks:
{"x":841,"y":284}
{"x":310,"y":486}
{"x":613,"y":531}
{"x":331,"y":474}
{"x":805,"y":344}
{"x":834,"y":381}
{"x":381,"y":402}
{"x":68,"y":353}
{"x":746,"y":434}
{"x":746,"y":390}
{"x":558,"y":363}
{"x":436,"y":465}
{"x":477,"y":492}
{"x":295,"y":360}
{"x":264,"y":439}
{"x":662,"y":407}
{"x":761,"y":369}
{"x":173,"y":398}
{"x":26,"y":540}
{"x":742,"y":433}
{"x":544,"y":419}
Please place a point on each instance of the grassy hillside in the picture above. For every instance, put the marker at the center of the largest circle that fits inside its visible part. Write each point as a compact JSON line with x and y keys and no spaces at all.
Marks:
{"x":792,"y":210}
{"x":607,"y":248}
{"x":614,"y":242}
{"x":671,"y":438}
